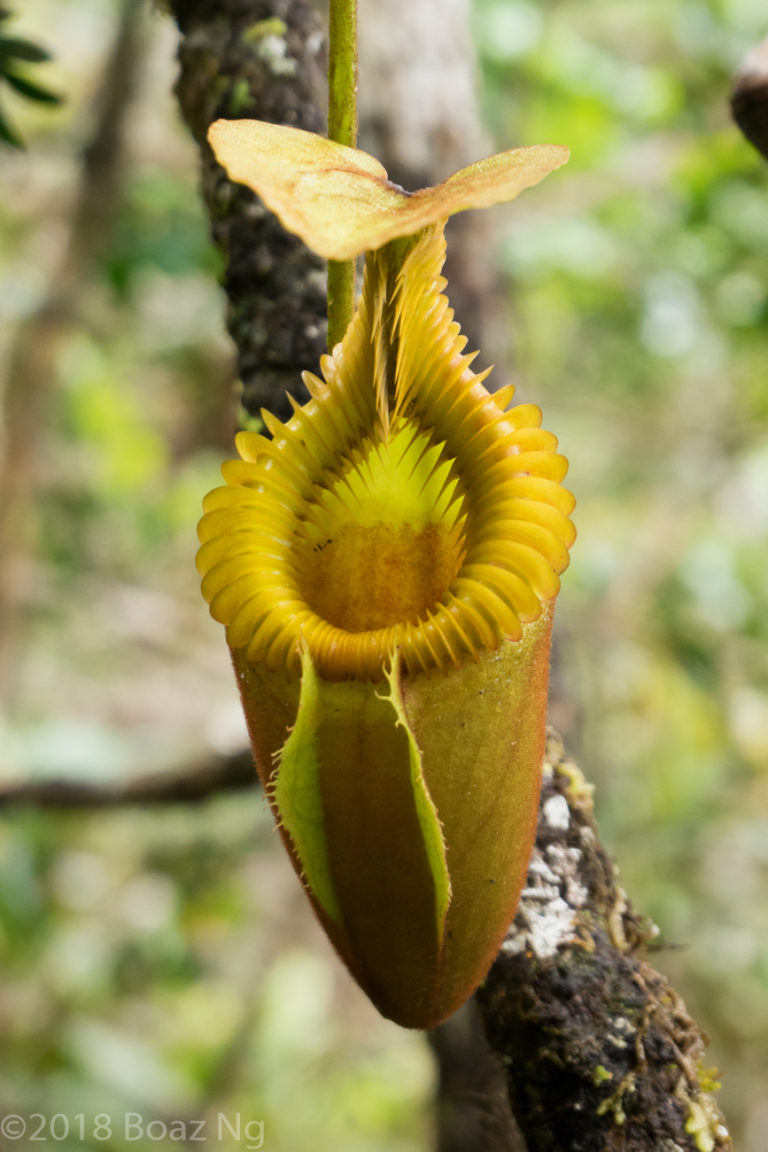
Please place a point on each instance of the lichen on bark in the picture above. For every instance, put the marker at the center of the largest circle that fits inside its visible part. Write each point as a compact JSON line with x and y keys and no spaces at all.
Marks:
{"x":599,"y":1049}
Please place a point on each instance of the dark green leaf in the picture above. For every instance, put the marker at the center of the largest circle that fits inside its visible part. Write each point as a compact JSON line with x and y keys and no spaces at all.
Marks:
{"x":8,"y":135}
{"x":15,"y":48}
{"x":32,"y":91}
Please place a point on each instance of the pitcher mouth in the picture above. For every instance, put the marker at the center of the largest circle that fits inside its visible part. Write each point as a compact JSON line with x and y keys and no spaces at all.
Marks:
{"x":412,"y":513}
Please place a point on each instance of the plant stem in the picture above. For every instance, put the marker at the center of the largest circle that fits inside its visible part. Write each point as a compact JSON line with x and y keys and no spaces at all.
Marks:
{"x":342,"y":127}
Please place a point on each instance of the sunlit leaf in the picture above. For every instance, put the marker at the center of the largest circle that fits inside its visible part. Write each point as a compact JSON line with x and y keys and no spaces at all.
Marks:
{"x":340,"y":201}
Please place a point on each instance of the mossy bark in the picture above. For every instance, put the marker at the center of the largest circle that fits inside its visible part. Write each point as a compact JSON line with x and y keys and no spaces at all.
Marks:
{"x":258,"y":59}
{"x":599,"y":1050}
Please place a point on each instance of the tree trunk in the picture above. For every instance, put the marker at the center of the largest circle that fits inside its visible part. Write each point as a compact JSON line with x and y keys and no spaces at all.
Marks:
{"x":263,"y":59}
{"x":31,"y":364}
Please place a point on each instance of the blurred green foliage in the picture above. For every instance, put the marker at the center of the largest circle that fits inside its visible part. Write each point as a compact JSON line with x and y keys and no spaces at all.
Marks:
{"x":163,"y":962}
{"x":16,"y":54}
{"x":639,"y":310}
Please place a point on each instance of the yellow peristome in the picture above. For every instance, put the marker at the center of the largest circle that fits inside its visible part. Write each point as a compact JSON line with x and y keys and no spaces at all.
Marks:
{"x":400,"y":508}
{"x":339,"y":200}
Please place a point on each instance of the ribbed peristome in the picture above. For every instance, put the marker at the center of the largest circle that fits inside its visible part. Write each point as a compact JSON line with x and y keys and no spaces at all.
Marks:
{"x":400,"y":508}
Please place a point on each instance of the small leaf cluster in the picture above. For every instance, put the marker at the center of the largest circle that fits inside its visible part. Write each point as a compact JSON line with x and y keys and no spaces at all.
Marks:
{"x":14,"y":52}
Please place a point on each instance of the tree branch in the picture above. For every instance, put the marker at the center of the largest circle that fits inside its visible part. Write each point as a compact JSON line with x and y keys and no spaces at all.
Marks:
{"x":202,"y":781}
{"x":472,"y":1107}
{"x":599,"y":1050}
